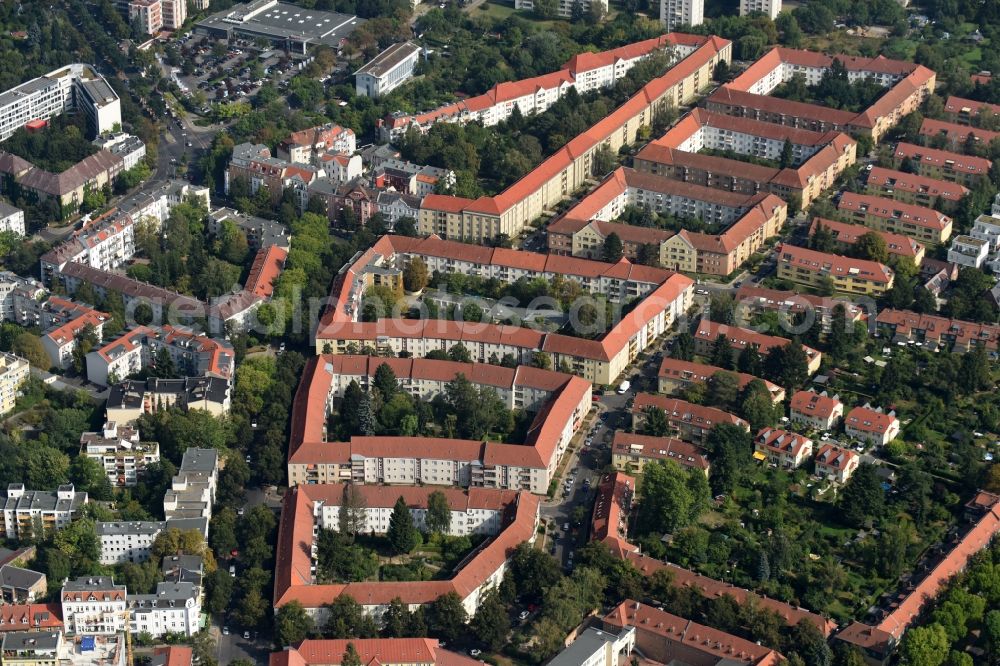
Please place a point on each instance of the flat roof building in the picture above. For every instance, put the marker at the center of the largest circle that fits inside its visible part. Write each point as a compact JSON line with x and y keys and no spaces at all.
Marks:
{"x":285,"y":26}
{"x":388,"y":70}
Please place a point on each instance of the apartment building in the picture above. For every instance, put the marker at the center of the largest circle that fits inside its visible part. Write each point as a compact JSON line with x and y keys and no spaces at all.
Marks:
{"x":13,"y":373}
{"x":631,"y":452}
{"x":192,"y":489}
{"x":846,"y":235}
{"x":94,"y":605}
{"x":130,"y":399}
{"x":821,"y":269}
{"x":942,"y":164}
{"x":174,"y":608}
{"x":923,"y":224}
{"x":670,"y":639}
{"x":130,"y":148}
{"x":133,"y":541}
{"x":968,"y":251}
{"x":21,"y":586}
{"x":956,"y":136}
{"x":66,"y":188}
{"x":769,"y":8}
{"x":253,"y":164}
{"x":146,"y":14}
{"x":676,"y":375}
{"x":740,"y":338}
{"x":75,"y":87}
{"x":593,"y":647}
{"x":675,"y":14}
{"x":35,"y":514}
{"x":565,"y":171}
{"x":871,"y":425}
{"x":692,"y":422}
{"x":61,"y":341}
{"x":30,"y":617}
{"x":747,"y":220}
{"x":835,"y":463}
{"x":480,"y":572}
{"x":32,"y":648}
{"x":914,"y":189}
{"x":382,"y":651}
{"x":782,"y":448}
{"x":308,"y":145}
{"x":568,"y":8}
{"x":752,"y":300}
{"x":120,"y":452}
{"x":933,"y":331}
{"x":583,"y":72}
{"x":388,"y":70}
{"x":968,"y":112}
{"x":139,"y":348}
{"x":747,"y":95}
{"x":817,"y":411}
{"x":11,"y":219}
{"x":559,"y":401}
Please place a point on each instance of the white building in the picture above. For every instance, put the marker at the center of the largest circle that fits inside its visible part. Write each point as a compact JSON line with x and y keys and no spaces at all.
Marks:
{"x":871,"y":425}
{"x":388,"y":70}
{"x":133,"y":542}
{"x":131,"y":398}
{"x":147,"y":14}
{"x":75,"y":87}
{"x":308,"y":145}
{"x":677,"y":13}
{"x":33,"y":513}
{"x":594,"y":647}
{"x":396,"y":205}
{"x":565,"y":8}
{"x":968,"y":251}
{"x":192,"y":490}
{"x":11,"y":219}
{"x":130,"y":148}
{"x":174,"y":13}
{"x":770,"y":8}
{"x":341,"y":167}
{"x":120,"y":451}
{"x":14,"y":372}
{"x":174,"y":608}
{"x":93,"y":605}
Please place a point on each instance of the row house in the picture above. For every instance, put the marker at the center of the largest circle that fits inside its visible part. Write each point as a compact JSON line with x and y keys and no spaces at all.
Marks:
{"x":676,"y":376}
{"x":817,"y":411}
{"x":740,"y":338}
{"x":914,"y":189}
{"x":785,"y":449}
{"x":835,"y":463}
{"x":871,"y":425}
{"x":965,"y":170}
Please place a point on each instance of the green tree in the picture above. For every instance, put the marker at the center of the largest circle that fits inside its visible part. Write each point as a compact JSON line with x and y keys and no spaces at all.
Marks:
{"x":29,"y":347}
{"x":654,"y":422}
{"x":613,"y":249}
{"x":669,"y":500}
{"x":491,"y":622}
{"x":722,"y":353}
{"x":683,"y":348}
{"x":385,"y":382}
{"x":292,"y":624}
{"x":415,"y":275}
{"x":346,"y":619}
{"x":447,"y":616}
{"x":723,"y":389}
{"x":787,"y":157}
{"x":871,"y":246}
{"x":438,"y":518}
{"x":730,"y":447}
{"x":822,"y":239}
{"x":402,"y":534}
{"x":925,"y":646}
{"x":862,"y":500}
{"x":351,"y":657}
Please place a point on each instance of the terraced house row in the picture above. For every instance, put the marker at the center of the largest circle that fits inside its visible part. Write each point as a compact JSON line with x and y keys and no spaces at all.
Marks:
{"x":559,"y":401}
{"x":476,"y":220}
{"x":665,"y":297}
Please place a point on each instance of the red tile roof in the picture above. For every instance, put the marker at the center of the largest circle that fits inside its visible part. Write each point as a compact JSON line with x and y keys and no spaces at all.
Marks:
{"x":682,"y":411}
{"x":866,"y":419}
{"x":372,"y":651}
{"x":266,"y":268}
{"x":175,"y":655}
{"x":909,"y":182}
{"x":661,"y":448}
{"x":782,"y":441}
{"x":889,"y":209}
{"x":814,"y":404}
{"x":958,"y":105}
{"x":964,"y":164}
{"x":834,"y":265}
{"x":939,"y":329}
{"x":836,"y":457}
{"x":609,"y":523}
{"x":702,"y":372}
{"x":956,"y":133}
{"x":848,"y":234}
{"x":30,"y":617}
{"x":741,"y":337}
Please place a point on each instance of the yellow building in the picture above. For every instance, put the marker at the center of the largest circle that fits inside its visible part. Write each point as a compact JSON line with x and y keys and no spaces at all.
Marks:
{"x":817,"y":269}
{"x":924,"y":224}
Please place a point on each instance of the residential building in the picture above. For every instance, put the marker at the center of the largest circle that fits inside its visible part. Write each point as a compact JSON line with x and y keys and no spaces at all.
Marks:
{"x":66,"y":188}
{"x":260,"y":232}
{"x":569,"y":8}
{"x":821,"y":269}
{"x":388,"y":70}
{"x":32,"y":648}
{"x":254,"y":165}
{"x":955,"y":136}
{"x":75,"y":87}
{"x":559,"y":401}
{"x":382,"y":651}
{"x":133,"y":542}
{"x":835,"y":463}
{"x":968,"y":251}
{"x":609,"y":522}
{"x":21,"y":586}
{"x":130,"y":148}
{"x":395,"y":205}
{"x":914,"y":189}
{"x":71,"y":321}
{"x":752,"y":300}
{"x":14,"y":372}
{"x":818,"y":411}
{"x":37,"y":513}
{"x":174,"y":608}
{"x":740,"y":338}
{"x":30,"y":617}
{"x":120,"y":452}
{"x":143,"y":346}
{"x":480,"y":572}
{"x":341,"y":168}
{"x":174,"y":14}
{"x":94,"y":605}
{"x":418,"y":180}
{"x":130,"y":399}
{"x":675,"y":14}
{"x":676,"y":376}
{"x":146,"y":14}
{"x":942,"y":164}
{"x":924,"y":224}
{"x":567,"y":169}
{"x":987,"y":228}
{"x":349,"y":204}
{"x":192,"y":490}
{"x":770,"y":8}
{"x":11,"y":219}
{"x":173,"y":655}
{"x":631,"y":452}
{"x":845,"y":235}
{"x":936,"y":332}
{"x":692,"y":422}
{"x":782,"y":448}
{"x":669,"y":639}
{"x":309,"y":145}
{"x":593,"y":647}
{"x":871,"y":425}
{"x":967,"y":111}
{"x":265,"y":271}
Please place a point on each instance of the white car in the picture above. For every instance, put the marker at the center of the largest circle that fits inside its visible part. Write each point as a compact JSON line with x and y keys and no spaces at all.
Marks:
{"x":524,"y":615}
{"x":475,"y":652}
